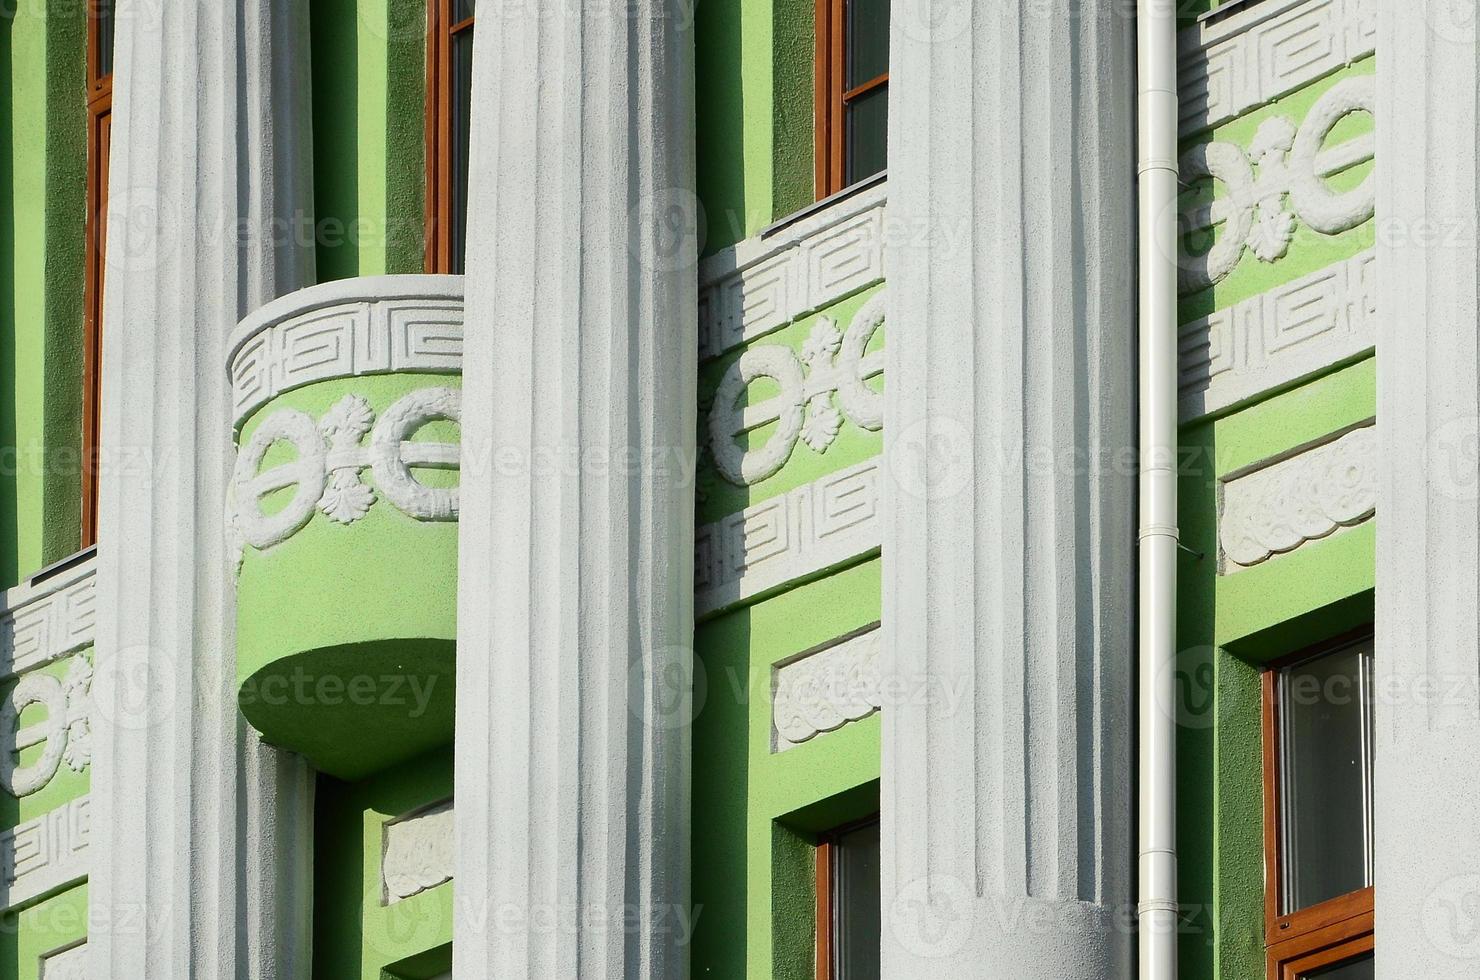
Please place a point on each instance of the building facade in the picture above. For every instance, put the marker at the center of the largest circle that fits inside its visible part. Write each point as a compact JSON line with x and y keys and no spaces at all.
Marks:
{"x":649,"y":489}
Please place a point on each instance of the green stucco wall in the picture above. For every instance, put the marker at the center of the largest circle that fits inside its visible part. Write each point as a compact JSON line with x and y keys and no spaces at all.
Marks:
{"x":43,"y":157}
{"x":1229,"y":625}
{"x":369,"y":104}
{"x":356,"y":935}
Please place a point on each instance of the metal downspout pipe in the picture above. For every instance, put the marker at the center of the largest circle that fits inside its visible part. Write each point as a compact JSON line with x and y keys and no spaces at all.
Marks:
{"x":1156,"y":39}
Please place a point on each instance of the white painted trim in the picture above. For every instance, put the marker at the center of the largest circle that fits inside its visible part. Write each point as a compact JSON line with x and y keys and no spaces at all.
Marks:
{"x":827,"y":522}
{"x":824,"y":689}
{"x":1280,"y":504}
{"x":345,"y":328}
{"x":764,"y":283}
{"x":42,"y":856}
{"x":45,"y":622}
{"x":1278,"y":337}
{"x":1226,"y":68}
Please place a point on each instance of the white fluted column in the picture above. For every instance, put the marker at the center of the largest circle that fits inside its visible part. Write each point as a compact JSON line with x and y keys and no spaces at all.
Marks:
{"x":200,"y":837}
{"x":1008,"y":543}
{"x":575,"y":606}
{"x":1428,"y":529}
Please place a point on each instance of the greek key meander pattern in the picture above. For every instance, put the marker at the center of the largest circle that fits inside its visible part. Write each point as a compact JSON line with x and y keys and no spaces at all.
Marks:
{"x":1278,"y":507}
{"x":417,"y":853}
{"x":1277,"y":337}
{"x":827,"y":522}
{"x":1227,"y":68}
{"x":329,"y":460}
{"x":1279,"y":181}
{"x":763,"y":284}
{"x":377,"y":336}
{"x":824,"y":690}
{"x":39,"y":625}
{"x":41,"y":855}
{"x":830,"y":362}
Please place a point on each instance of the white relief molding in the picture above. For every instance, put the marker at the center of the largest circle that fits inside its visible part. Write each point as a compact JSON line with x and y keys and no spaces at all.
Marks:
{"x":1227,"y":67}
{"x":39,"y":856}
{"x":65,"y":734}
{"x":824,"y":523}
{"x":1278,"y":336}
{"x":46,"y":621}
{"x":830,"y":361}
{"x":764,"y":283}
{"x":346,"y":328}
{"x":417,"y":853}
{"x":1279,"y":505}
{"x":1279,"y":181}
{"x":822,"y":690}
{"x":327,"y":462}
{"x":69,"y":963}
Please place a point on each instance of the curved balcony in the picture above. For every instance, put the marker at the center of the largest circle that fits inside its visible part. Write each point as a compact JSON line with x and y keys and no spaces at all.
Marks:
{"x":346,"y":401}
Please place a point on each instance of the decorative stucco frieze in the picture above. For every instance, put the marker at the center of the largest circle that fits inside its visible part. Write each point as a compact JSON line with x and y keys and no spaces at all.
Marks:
{"x":823,"y":690}
{"x":814,"y":527}
{"x":329,"y":457}
{"x":64,"y":734}
{"x":1280,"y":505}
{"x":1277,"y":182}
{"x":1278,"y":336}
{"x":65,"y":964}
{"x":764,"y":283}
{"x":417,"y":853}
{"x":46,"y":621}
{"x":41,"y":855}
{"x":347,"y":328}
{"x":1228,"y":67}
{"x":830,"y":361}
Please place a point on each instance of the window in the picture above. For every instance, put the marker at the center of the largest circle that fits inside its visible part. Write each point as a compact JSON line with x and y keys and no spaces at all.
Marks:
{"x":852,"y":91}
{"x":449,"y":95}
{"x":1318,"y":735}
{"x":848,"y":903}
{"x":99,"y":129}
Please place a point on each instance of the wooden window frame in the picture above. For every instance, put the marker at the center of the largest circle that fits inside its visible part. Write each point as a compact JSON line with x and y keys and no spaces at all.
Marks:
{"x":99,"y":133}
{"x":832,"y":98}
{"x":439,"y":151}
{"x":1329,"y":932}
{"x":827,"y":894}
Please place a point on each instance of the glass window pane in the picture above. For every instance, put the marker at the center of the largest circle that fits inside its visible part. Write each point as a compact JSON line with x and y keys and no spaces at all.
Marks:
{"x":1361,"y":968}
{"x":856,"y":915}
{"x":1326,"y":768}
{"x":868,"y":128}
{"x":462,"y":93}
{"x":105,"y":37}
{"x":461,"y":10}
{"x":867,"y":40}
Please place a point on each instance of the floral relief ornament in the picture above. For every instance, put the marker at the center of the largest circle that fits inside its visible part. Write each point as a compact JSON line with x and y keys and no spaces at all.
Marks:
{"x":330,"y":458}
{"x":1280,"y":181}
{"x":832,"y":365}
{"x":65,"y":733}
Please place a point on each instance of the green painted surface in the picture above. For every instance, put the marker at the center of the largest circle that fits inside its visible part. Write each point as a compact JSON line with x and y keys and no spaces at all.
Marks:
{"x":717,"y":496}
{"x":346,"y":632}
{"x":55,"y":923}
{"x":1228,"y":626}
{"x":753,"y":85}
{"x":1308,"y":250}
{"x":357,"y":935}
{"x":756,"y":812}
{"x":369,"y":103}
{"x":42,"y":165}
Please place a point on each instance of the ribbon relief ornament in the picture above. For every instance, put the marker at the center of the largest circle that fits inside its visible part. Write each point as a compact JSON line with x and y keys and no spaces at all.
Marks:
{"x":66,"y":731}
{"x":330,"y":458}
{"x":830,"y":361}
{"x":1260,"y":211}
